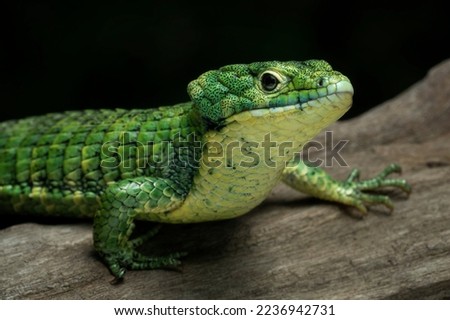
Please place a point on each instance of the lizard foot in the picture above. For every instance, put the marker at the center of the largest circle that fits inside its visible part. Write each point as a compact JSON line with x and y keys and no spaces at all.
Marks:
{"x":352,"y":191}
{"x":130,"y":259}
{"x":122,"y":259}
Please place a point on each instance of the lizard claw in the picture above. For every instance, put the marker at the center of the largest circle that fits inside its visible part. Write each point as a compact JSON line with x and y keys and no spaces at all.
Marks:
{"x":130,"y":259}
{"x":352,"y":191}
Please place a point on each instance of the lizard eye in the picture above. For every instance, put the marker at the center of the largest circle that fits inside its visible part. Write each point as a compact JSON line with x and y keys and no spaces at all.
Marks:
{"x":269,"y":81}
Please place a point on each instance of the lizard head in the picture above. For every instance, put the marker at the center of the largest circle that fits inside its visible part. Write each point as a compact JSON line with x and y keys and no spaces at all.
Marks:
{"x":265,"y":89}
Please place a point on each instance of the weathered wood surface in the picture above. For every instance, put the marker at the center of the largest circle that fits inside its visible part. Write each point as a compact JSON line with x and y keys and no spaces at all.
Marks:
{"x":292,"y":246}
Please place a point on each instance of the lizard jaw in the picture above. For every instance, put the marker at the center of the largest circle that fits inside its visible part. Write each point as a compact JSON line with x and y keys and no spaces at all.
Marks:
{"x":338,"y":94}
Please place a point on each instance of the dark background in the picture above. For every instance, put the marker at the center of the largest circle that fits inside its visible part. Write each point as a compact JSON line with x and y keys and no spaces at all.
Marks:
{"x":62,"y":55}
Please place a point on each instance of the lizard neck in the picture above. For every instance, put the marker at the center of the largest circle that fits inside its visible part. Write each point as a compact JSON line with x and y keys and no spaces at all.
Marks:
{"x":244,"y":160}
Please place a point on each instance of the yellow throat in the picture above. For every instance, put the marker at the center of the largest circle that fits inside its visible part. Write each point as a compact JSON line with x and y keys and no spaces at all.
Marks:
{"x":244,"y":160}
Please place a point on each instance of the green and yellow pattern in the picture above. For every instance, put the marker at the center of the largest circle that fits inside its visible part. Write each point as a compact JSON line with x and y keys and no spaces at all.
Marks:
{"x":215,"y":157}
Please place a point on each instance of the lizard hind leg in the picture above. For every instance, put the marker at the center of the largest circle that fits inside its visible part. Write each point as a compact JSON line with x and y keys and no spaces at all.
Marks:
{"x":141,"y":197}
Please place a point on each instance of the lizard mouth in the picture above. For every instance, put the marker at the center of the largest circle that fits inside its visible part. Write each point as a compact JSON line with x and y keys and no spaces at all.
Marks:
{"x":336,"y":95}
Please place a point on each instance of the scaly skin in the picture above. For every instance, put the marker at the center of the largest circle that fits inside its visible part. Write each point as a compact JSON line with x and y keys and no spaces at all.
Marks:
{"x":216,"y":157}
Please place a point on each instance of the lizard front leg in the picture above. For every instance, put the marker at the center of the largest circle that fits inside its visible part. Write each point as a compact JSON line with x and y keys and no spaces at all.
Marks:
{"x":147,"y":198}
{"x":316,"y":182}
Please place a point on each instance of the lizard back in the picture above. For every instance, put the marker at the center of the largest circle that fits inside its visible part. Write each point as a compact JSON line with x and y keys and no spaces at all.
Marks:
{"x":61,"y":162}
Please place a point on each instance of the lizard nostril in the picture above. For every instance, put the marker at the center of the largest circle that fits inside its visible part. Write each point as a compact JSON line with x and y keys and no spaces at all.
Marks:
{"x":321,"y":82}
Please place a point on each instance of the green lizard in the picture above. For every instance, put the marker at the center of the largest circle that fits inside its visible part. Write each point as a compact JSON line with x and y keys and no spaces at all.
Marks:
{"x":197,"y":161}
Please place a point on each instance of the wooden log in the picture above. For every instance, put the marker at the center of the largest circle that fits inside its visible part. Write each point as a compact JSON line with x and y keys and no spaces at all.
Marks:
{"x":291,"y":246}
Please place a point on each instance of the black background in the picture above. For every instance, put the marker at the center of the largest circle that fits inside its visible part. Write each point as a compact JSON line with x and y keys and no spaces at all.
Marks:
{"x":63,"y":55}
